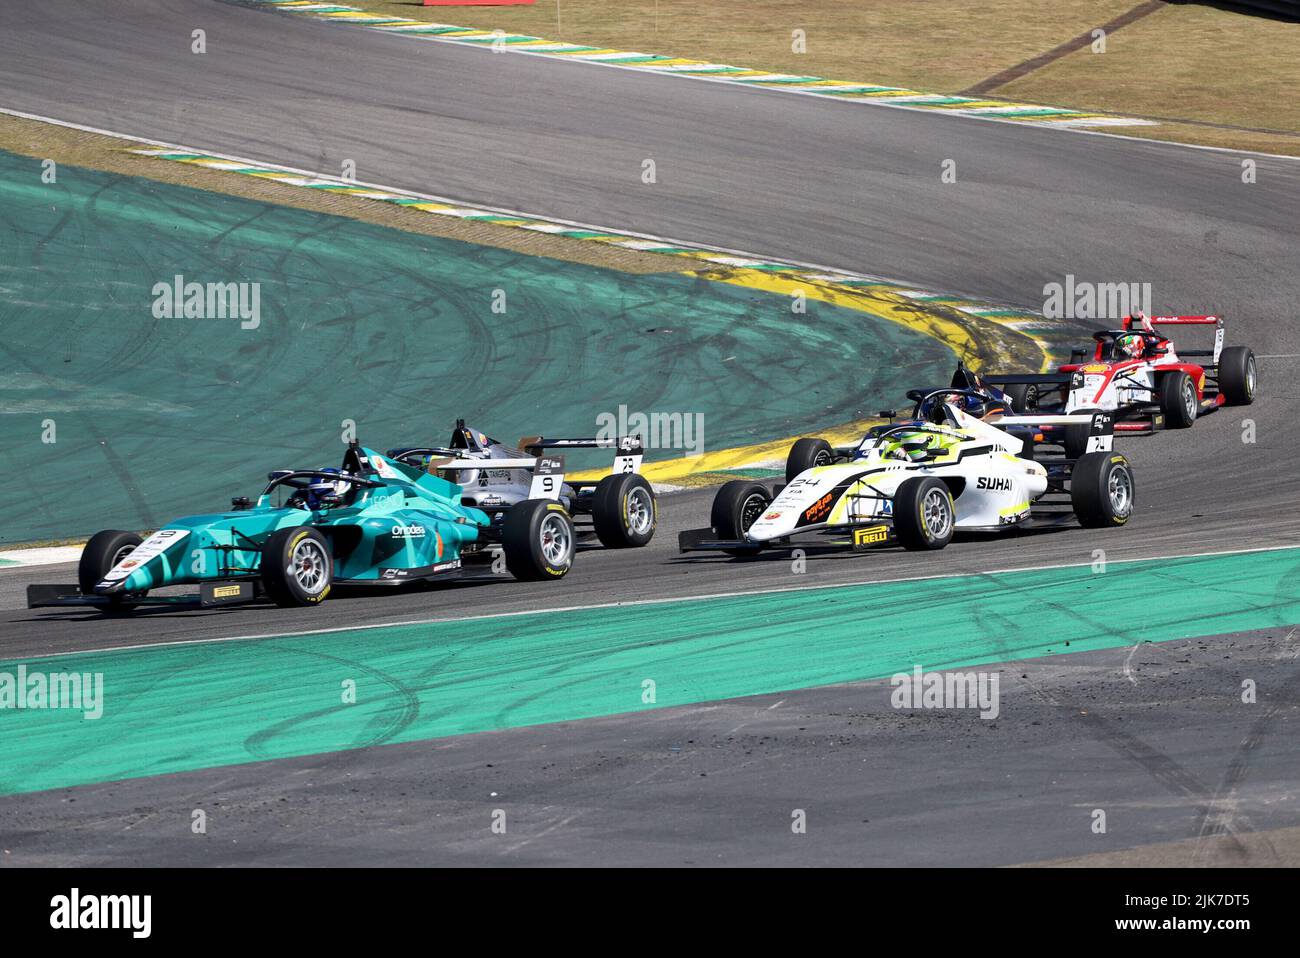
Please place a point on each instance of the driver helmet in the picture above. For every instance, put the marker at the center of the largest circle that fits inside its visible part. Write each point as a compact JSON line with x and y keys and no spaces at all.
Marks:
{"x":322,"y":491}
{"x":980,"y":407}
{"x":1129,"y":346}
{"x":898,"y":448}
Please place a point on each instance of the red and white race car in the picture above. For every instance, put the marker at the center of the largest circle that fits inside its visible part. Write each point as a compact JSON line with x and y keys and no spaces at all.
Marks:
{"x":1136,"y":373}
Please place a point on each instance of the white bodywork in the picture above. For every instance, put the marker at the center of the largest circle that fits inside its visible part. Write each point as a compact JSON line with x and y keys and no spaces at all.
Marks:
{"x":1097,"y":384}
{"x":992,"y":486}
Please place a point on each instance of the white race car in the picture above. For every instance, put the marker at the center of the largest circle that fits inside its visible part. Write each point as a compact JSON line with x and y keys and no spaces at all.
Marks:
{"x":920,"y":480}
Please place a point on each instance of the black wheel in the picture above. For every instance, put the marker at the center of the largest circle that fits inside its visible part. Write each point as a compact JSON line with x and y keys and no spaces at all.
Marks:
{"x":538,"y":540}
{"x":1101,"y":490}
{"x":924,"y":514}
{"x":1075,"y":438}
{"x":297,"y":567}
{"x":805,"y":454}
{"x":736,"y":507}
{"x":624,"y":511}
{"x":1026,"y":438}
{"x":1238,"y":376}
{"x":105,"y":550}
{"x":1023,"y":396}
{"x":1178,"y":399}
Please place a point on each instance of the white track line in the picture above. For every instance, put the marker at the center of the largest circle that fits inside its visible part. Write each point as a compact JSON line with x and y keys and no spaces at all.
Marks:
{"x":643,"y":602}
{"x":1063,"y":124}
{"x":505,"y":211}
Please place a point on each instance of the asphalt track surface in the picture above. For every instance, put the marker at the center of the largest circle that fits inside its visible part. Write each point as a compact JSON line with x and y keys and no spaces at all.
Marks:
{"x":847,"y":186}
{"x":843,"y":185}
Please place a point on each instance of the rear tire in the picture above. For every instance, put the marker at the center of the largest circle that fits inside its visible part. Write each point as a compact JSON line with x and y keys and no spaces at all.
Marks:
{"x":1102,"y":490}
{"x":624,"y":511}
{"x":1075,"y":439}
{"x":1023,"y":396}
{"x":538,"y":540}
{"x":1178,"y":399}
{"x":738,"y":504}
{"x":297,"y":567}
{"x":806,"y":454}
{"x":1238,"y":376}
{"x":105,"y":550}
{"x":924,"y":514}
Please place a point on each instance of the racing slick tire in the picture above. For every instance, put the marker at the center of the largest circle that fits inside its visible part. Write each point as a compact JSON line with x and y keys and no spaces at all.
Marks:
{"x":105,"y":550}
{"x":735,"y":508}
{"x":624,"y":511}
{"x":297,"y":567}
{"x":1238,"y":375}
{"x":1101,"y":490}
{"x":1178,"y":399}
{"x":1026,"y":437}
{"x":1023,"y":396}
{"x":924,"y":514}
{"x":1075,"y":438}
{"x":805,"y":454}
{"x":538,"y":539}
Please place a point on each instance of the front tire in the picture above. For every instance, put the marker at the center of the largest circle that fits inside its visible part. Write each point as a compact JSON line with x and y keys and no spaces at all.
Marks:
{"x":538,"y":540}
{"x":1178,"y":399}
{"x":105,"y":550}
{"x":1238,"y":376}
{"x":736,"y":507}
{"x":297,"y":567}
{"x":624,"y":511}
{"x":1027,"y":443}
{"x":924,"y":514}
{"x":805,"y":454}
{"x":1102,"y":490}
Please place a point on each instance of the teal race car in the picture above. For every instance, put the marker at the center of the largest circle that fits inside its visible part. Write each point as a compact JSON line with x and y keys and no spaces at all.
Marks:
{"x":372,"y":522}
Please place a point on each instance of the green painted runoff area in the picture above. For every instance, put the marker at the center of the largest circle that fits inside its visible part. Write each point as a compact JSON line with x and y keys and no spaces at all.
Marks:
{"x":153,"y":418}
{"x":186,"y":707}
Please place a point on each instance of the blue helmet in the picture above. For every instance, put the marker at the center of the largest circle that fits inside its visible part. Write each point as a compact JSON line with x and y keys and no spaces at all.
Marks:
{"x":324,"y":491}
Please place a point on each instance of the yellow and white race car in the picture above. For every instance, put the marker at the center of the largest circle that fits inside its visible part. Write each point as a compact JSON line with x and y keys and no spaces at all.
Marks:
{"x":959,"y":463}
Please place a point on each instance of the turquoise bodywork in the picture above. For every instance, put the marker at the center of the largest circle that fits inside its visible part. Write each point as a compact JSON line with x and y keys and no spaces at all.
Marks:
{"x":410,"y":526}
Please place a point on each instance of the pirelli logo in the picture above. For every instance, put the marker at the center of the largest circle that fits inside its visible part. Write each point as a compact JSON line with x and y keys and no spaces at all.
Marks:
{"x":225,"y":591}
{"x":870,"y":536}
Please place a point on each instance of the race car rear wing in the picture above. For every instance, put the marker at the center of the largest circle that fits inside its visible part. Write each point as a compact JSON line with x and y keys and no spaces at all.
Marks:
{"x":1101,"y":426}
{"x":1150,"y":322}
{"x":627,"y":458}
{"x":1033,"y":379}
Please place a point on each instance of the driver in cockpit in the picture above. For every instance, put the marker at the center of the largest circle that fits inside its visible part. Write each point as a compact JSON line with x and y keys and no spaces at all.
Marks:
{"x":321,"y":493}
{"x":981,"y":407}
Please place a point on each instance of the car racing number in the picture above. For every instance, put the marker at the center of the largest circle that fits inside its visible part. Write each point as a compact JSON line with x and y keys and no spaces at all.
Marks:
{"x":548,"y":478}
